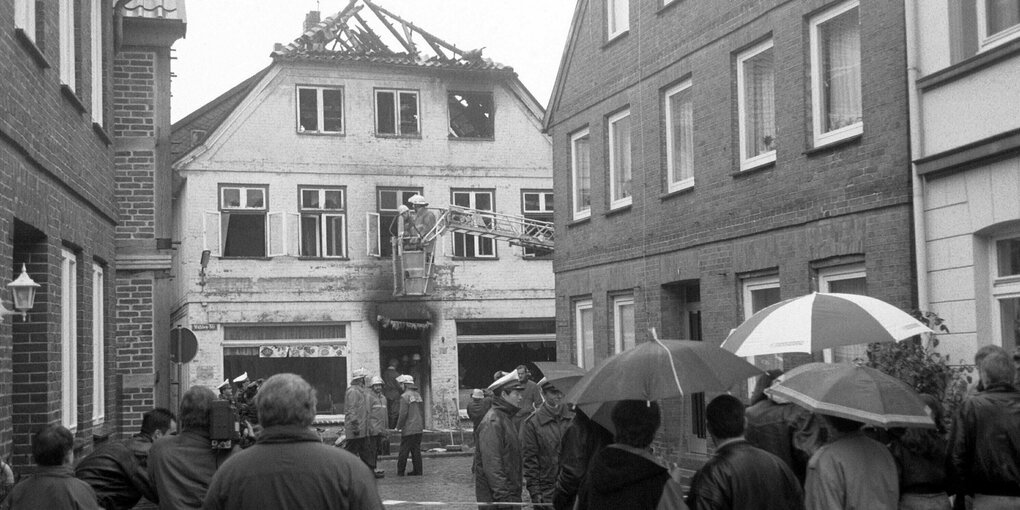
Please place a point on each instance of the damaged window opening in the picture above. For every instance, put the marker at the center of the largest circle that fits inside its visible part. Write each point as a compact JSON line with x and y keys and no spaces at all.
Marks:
{"x":472,"y":115}
{"x":320,"y":110}
{"x":396,"y":112}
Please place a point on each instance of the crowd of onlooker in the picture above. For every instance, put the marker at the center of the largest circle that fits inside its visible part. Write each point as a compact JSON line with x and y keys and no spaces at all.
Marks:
{"x":769,"y":455}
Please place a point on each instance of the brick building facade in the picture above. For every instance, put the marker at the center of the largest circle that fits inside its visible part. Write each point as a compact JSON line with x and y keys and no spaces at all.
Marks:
{"x":713,"y":158}
{"x":291,"y":181}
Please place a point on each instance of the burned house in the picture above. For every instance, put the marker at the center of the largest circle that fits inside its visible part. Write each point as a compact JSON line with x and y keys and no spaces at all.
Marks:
{"x":289,"y":190}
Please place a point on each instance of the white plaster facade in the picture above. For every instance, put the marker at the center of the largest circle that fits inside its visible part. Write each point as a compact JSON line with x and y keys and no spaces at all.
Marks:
{"x":259,"y":144}
{"x":967,"y":162}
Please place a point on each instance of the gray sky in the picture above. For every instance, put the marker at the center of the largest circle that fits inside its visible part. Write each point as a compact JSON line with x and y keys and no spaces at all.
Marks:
{"x":230,"y":40}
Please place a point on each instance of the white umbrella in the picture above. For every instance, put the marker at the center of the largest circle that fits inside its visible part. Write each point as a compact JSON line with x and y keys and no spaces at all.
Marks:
{"x":821,"y":321}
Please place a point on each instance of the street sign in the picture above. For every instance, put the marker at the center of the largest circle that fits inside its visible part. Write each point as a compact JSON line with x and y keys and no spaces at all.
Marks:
{"x":183,"y":345}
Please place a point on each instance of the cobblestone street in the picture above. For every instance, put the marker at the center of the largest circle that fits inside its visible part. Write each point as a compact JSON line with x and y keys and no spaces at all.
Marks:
{"x":446,"y":479}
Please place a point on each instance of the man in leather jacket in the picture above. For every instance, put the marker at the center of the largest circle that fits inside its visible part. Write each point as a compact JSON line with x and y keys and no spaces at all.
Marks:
{"x":540,"y":443}
{"x":739,"y":475}
{"x":497,"y":462}
{"x":984,"y":444}
{"x":117,"y":471}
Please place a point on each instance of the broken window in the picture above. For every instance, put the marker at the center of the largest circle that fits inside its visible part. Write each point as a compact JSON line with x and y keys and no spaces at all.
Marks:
{"x":243,"y":221}
{"x":472,"y":115}
{"x":396,"y":112}
{"x":320,"y":110}
{"x":323,"y":222}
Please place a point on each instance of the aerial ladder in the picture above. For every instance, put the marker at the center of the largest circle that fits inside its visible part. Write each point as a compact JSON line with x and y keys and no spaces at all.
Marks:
{"x":414,"y":256}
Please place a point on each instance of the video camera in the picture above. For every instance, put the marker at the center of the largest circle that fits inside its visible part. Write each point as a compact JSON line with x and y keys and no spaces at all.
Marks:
{"x":231,"y":418}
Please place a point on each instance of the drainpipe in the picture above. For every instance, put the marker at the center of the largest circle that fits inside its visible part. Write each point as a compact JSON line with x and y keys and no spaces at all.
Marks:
{"x":916,"y":141}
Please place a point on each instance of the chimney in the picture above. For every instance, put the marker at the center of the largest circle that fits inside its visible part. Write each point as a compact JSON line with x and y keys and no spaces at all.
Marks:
{"x":311,"y":19}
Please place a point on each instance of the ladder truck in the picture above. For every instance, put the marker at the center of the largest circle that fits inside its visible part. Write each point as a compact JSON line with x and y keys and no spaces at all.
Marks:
{"x":414,"y":259}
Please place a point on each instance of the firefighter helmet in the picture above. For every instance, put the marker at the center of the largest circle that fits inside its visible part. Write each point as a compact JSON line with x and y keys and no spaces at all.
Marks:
{"x":417,"y":200}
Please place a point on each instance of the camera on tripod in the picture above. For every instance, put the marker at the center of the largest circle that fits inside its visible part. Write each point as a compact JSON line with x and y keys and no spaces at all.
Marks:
{"x":233,"y":416}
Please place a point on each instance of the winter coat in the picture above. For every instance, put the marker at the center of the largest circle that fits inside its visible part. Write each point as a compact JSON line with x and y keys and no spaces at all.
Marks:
{"x":181,"y":468}
{"x":854,"y":472}
{"x":581,"y":441}
{"x":740,"y":476}
{"x":984,"y":443}
{"x":497,"y":462}
{"x":378,"y":415}
{"x":289,"y":468}
{"x":117,"y":471}
{"x":540,"y":448}
{"x":52,"y":487}
{"x":476,"y":410}
{"x":621,"y":476}
{"x":780,"y":429}
{"x":531,"y":399}
{"x":411,"y":420}
{"x":356,"y":409}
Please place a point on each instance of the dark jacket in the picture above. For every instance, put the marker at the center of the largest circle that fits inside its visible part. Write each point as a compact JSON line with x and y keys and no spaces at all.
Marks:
{"x":920,"y":456}
{"x":288,"y":468}
{"x":356,"y":408}
{"x":582,"y":440}
{"x":497,"y":462}
{"x":181,"y":468}
{"x":779,"y":429}
{"x":118,"y":472}
{"x":984,"y":443}
{"x":624,"y":477}
{"x":740,"y":476}
{"x":412,"y":413}
{"x":378,"y":414}
{"x":531,"y":399}
{"x":540,"y":448}
{"x":52,"y":487}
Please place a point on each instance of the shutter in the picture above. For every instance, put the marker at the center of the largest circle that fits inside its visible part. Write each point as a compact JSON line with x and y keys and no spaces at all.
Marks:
{"x":292,"y":234}
{"x":372,"y":234}
{"x":276,"y":246}
{"x":212,"y":240}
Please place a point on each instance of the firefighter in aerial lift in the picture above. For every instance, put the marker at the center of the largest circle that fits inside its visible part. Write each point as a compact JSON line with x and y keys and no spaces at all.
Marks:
{"x":417,"y":223}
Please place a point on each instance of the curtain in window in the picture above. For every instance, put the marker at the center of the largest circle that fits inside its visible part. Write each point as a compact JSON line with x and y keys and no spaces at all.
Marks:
{"x":1001,"y":15}
{"x":582,"y":170}
{"x":841,"y":67}
{"x":760,"y":98}
{"x":682,"y":116}
{"x":621,"y":158}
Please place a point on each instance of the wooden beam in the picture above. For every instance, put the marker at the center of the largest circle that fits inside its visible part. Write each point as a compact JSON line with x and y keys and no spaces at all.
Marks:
{"x":386,"y":22}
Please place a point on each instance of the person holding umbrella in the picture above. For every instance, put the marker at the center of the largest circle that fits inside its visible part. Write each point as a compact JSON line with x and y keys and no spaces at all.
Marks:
{"x":497,"y":461}
{"x":540,"y":442}
{"x":740,"y":475}
{"x":853,"y":471}
{"x":582,"y":440}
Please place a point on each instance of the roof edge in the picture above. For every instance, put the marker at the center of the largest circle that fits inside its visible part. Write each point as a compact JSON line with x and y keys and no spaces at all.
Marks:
{"x":568,"y":50}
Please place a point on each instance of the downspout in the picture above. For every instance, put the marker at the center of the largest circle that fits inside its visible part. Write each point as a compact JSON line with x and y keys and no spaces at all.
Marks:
{"x":916,"y":141}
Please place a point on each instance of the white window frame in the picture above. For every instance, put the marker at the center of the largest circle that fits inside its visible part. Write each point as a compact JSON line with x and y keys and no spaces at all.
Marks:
{"x":323,"y":218}
{"x":988,"y":41}
{"x":66,"y":32}
{"x":619,"y":302}
{"x":1000,"y":287}
{"x":96,"y":32}
{"x":675,"y":182}
{"x":749,"y":162}
{"x":579,"y":340}
{"x":69,"y":339}
{"x":544,"y":209}
{"x":320,"y":105}
{"x":243,"y":191}
{"x":98,"y":344}
{"x":579,"y":213}
{"x":24,"y":17}
{"x":396,"y":112}
{"x":474,"y":238}
{"x":615,"y":27}
{"x":400,"y":193}
{"x":817,"y":114}
{"x":834,"y":274}
{"x":611,"y":122}
{"x":747,"y":286}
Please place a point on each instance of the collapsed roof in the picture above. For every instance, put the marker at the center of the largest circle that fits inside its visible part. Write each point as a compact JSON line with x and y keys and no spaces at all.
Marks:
{"x":348,"y":36}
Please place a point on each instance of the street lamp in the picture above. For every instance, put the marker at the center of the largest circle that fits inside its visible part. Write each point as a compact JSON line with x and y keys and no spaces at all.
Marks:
{"x":23,"y":289}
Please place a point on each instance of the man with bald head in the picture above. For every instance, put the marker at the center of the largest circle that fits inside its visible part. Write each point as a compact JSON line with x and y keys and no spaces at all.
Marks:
{"x":289,"y":467}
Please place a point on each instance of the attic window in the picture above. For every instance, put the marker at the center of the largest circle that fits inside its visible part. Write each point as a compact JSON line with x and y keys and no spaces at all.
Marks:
{"x":320,"y":110}
{"x":197,"y":135}
{"x":472,"y":115}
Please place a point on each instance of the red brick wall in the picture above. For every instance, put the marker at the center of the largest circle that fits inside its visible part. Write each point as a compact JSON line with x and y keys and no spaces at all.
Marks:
{"x":135,"y":194}
{"x":134,"y":94}
{"x":812,"y":207}
{"x":134,"y":345}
